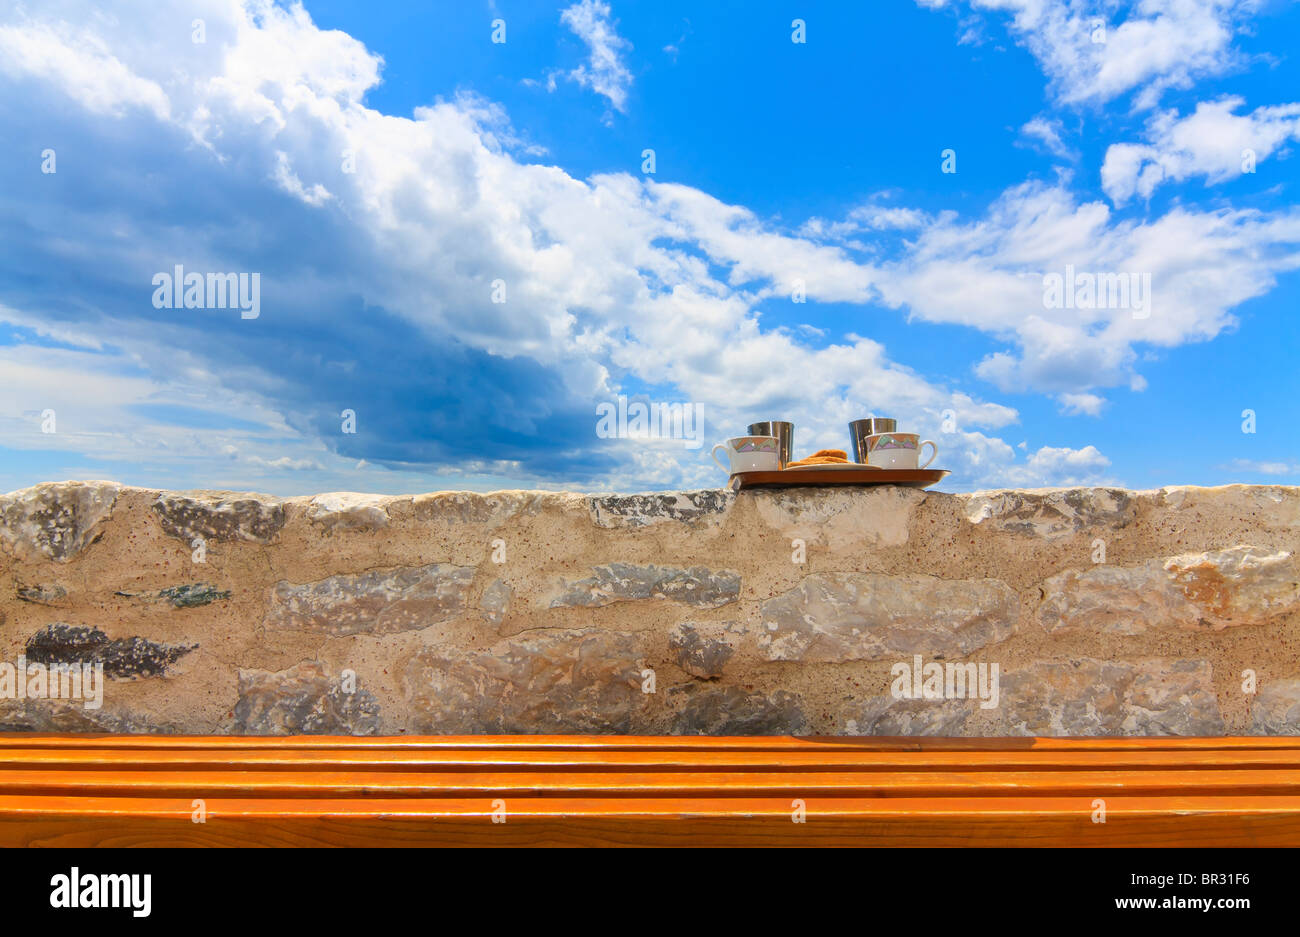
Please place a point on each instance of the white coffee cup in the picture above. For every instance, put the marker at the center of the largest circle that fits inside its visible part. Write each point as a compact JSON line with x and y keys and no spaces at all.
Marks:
{"x":898,"y":450}
{"x":749,"y":454}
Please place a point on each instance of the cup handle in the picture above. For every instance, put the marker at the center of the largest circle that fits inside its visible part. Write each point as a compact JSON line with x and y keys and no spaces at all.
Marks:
{"x":934,"y":455}
{"x":714,"y":453}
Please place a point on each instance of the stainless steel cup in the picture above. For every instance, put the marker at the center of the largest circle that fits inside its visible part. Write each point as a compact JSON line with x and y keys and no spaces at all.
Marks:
{"x":859,"y":430}
{"x":784,"y":432}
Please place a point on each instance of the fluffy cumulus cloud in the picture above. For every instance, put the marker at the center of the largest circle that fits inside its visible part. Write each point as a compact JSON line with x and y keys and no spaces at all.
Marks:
{"x":1212,"y":143}
{"x":1069,"y":466}
{"x":1097,"y":50}
{"x":471,"y":306}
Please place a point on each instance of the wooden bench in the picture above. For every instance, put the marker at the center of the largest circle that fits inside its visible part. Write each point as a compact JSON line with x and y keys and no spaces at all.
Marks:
{"x":84,"y":790}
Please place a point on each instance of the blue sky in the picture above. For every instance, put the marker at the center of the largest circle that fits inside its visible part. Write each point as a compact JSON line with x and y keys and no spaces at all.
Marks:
{"x":382,"y":166}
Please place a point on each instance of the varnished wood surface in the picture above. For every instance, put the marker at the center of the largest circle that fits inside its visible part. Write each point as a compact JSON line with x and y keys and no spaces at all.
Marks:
{"x":551,"y":760}
{"x":322,"y":784}
{"x":77,"y":790}
{"x":656,"y":742}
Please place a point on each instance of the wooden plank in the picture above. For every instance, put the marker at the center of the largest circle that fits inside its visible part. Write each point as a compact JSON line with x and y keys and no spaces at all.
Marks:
{"x":522,"y":759}
{"x":642,"y":742}
{"x":892,"y":831}
{"x":632,"y":808}
{"x":323,"y":784}
{"x":603,"y":790}
{"x":1215,"y":821}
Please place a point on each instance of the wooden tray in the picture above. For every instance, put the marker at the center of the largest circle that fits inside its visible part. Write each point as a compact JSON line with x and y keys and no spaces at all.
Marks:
{"x":803,"y":477}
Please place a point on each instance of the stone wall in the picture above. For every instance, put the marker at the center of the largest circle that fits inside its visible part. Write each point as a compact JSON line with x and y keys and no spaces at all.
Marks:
{"x":1106,"y":611}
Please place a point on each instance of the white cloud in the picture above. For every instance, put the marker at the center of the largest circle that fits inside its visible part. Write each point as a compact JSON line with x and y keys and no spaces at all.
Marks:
{"x":994,"y":463}
{"x":985,"y":462}
{"x":604,"y":71}
{"x":81,"y":65}
{"x":288,"y":464}
{"x":1047,"y":131}
{"x":104,"y":409}
{"x":1263,"y":467}
{"x":289,"y":181}
{"x":1081,"y":404}
{"x":1212,"y":142}
{"x":873,"y":216}
{"x":988,"y":274}
{"x":1161,"y":44}
{"x":1068,"y":466}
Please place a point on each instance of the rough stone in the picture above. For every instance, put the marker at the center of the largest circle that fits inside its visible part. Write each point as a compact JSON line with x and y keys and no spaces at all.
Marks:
{"x":65,"y":716}
{"x":1113,"y":599}
{"x":467,"y":507}
{"x":633,"y":511}
{"x":729,"y":710}
{"x":380,"y":601}
{"x":303,"y":700}
{"x":838,"y":516}
{"x":698,"y":586}
{"x":348,"y":510}
{"x":703,"y":649}
{"x":1241,"y":586}
{"x":1051,"y":513}
{"x":192,"y":595}
{"x":870,"y":616}
{"x":885,"y":715}
{"x":1215,"y":590}
{"x":56,"y":520}
{"x":583,"y":680}
{"x":1276,"y":708}
{"x":1091,"y":697}
{"x":45,"y":593}
{"x":221,"y":517}
{"x":1259,"y":506}
{"x":495,"y":602}
{"x":123,"y":658}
